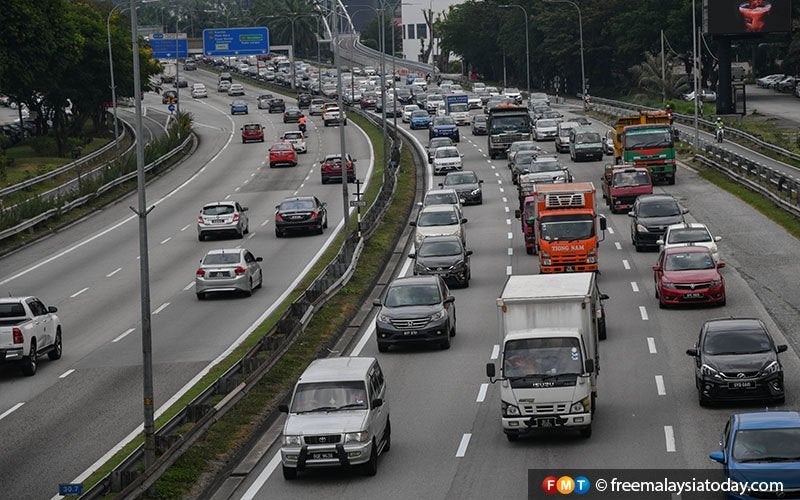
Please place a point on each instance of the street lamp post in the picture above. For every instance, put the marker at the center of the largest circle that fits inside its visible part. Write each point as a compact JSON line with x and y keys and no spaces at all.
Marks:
{"x":113,"y":86}
{"x":527,"y":46}
{"x":338,"y":62}
{"x":580,"y":28}
{"x":695,"y":72}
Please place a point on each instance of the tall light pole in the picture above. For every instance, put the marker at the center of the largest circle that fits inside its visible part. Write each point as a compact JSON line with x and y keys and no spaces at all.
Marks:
{"x":580,"y":29}
{"x":528,"y":47}
{"x":337,"y":59}
{"x":111,"y":68}
{"x":695,"y":72}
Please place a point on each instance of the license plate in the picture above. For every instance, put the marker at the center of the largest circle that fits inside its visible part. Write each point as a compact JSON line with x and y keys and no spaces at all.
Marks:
{"x":750,"y":384}
{"x":694,"y":295}
{"x":410,"y":332}
{"x":546,"y":422}
{"x":217,"y":221}
{"x":323,"y":456}
{"x":219,"y":275}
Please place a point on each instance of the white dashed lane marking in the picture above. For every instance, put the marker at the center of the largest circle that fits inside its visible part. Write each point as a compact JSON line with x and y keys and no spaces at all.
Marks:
{"x":67,"y":373}
{"x":124,"y":334}
{"x":662,"y":391}
{"x":651,"y":345}
{"x":112,"y":273}
{"x":10,"y":410}
{"x":643,"y":313}
{"x":495,"y":351}
{"x":634,"y":286}
{"x":184,"y":228}
{"x":78,"y":293}
{"x":482,"y":393}
{"x":616,"y":244}
{"x":669,"y":436}
{"x":462,"y":446}
{"x":626,"y":264}
{"x":161,"y":307}
{"x":166,"y":240}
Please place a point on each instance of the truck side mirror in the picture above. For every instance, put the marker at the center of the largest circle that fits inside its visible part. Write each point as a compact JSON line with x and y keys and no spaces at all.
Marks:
{"x":377,"y":402}
{"x":412,"y":223}
{"x":603,"y":223}
{"x":589,"y":366}
{"x":441,"y":184}
{"x":602,"y":296}
{"x":490,"y":370}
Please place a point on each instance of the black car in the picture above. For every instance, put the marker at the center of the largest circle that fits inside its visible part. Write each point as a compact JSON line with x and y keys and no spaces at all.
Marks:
{"x":737,"y":359}
{"x":300,"y":213}
{"x":443,"y":256}
{"x":650,"y":217}
{"x":404,"y":96}
{"x":303,"y":100}
{"x":479,"y":125}
{"x":416,"y":309}
{"x":292,"y":115}
{"x":181,"y":83}
{"x":277,"y":105}
{"x":466,"y":184}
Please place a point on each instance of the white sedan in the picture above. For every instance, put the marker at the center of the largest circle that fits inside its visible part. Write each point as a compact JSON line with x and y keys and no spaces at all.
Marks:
{"x":690,"y":234}
{"x":236,"y":89}
{"x":407,"y":110}
{"x":705,"y":95}
{"x":199,"y":90}
{"x":297,"y":139}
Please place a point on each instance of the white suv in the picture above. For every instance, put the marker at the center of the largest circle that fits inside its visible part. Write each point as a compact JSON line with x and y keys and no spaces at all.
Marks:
{"x":338,"y":416}
{"x":447,"y":159}
{"x":690,"y":233}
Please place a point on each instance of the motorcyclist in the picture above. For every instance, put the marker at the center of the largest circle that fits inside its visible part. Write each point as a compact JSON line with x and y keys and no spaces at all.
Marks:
{"x":301,"y":124}
{"x":720,"y":126}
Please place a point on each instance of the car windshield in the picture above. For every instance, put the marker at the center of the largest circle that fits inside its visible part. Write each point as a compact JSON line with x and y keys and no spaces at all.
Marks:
{"x":297,"y":205}
{"x":429,"y":219}
{"x":546,"y":123}
{"x":689,"y":261}
{"x":567,"y":227}
{"x":528,"y":362}
{"x":221,"y":258}
{"x":480,"y":118}
{"x":292,"y":135}
{"x":460,"y":178}
{"x":281,"y":147}
{"x":329,"y":396}
{"x":725,"y":342}
{"x":652,"y":138}
{"x":439,"y":248}
{"x":459,"y":108}
{"x":412,"y":295}
{"x":447,"y":153}
{"x":563,"y":132}
{"x":660,"y":208}
{"x":252,"y":127}
{"x":444,"y":120}
{"x":587,"y":138}
{"x":435,"y":97}
{"x":441,"y":199}
{"x":420,"y":114}
{"x":767,"y":445}
{"x":524,"y":157}
{"x":689,"y":235}
{"x":218,"y":210}
{"x":545,"y":166}
{"x":631,"y":179}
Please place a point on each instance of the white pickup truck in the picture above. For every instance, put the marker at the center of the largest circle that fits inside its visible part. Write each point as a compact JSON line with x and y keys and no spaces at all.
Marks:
{"x":333,"y":116}
{"x":28,"y":329}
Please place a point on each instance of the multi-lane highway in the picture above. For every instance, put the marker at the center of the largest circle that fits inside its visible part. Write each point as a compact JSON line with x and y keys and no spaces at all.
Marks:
{"x":447,"y":440}
{"x":57,"y":424}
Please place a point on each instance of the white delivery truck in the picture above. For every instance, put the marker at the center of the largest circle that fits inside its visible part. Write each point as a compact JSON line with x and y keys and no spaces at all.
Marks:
{"x":550,"y":325}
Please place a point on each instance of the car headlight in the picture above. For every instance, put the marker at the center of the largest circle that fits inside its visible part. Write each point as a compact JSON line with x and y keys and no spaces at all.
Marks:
{"x":771,"y":368}
{"x":641,"y":228}
{"x":591,"y":260}
{"x":560,"y":178}
{"x":709,"y":372}
{"x":508,"y":409}
{"x":356,"y":437}
{"x":715,"y":283}
{"x":383,"y":318}
{"x":667,"y":284}
{"x":581,"y":406}
{"x":292,"y":440}
{"x":475,"y":192}
{"x":438,"y":315}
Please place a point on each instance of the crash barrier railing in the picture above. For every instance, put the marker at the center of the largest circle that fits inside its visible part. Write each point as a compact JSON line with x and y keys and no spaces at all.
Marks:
{"x":110,"y":170}
{"x":175,"y":437}
{"x":62,"y":169}
{"x":620,"y":108}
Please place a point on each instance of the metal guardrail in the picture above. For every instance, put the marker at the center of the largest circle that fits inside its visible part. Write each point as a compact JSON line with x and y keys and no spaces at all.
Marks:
{"x":624,"y":107}
{"x":128,"y":481}
{"x":60,"y":170}
{"x":67,"y":206}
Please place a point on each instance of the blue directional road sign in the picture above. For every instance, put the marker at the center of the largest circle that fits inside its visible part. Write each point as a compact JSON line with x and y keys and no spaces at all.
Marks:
{"x":171,"y":108}
{"x":169,"y":46}
{"x":236,"y":41}
{"x":457,"y":99}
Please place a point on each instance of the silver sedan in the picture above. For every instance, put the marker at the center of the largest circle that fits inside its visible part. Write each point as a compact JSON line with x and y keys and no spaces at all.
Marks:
{"x":228,"y":270}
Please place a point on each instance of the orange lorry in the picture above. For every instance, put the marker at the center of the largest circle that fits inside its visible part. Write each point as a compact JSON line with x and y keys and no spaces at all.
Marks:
{"x":568,"y":227}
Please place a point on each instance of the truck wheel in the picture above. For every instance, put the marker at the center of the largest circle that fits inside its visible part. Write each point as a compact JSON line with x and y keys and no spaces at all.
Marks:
{"x":601,"y":329}
{"x":512,"y":437}
{"x":289,"y":473}
{"x":586,"y":432}
{"x":29,"y":362}
{"x":55,"y":353}
{"x":671,"y":180}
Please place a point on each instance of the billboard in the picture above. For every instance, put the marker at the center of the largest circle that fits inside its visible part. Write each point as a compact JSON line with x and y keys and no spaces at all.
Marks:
{"x":745,"y":17}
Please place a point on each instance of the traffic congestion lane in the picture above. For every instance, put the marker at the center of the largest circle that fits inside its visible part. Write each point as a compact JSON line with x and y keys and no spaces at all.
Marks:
{"x":112,"y":306}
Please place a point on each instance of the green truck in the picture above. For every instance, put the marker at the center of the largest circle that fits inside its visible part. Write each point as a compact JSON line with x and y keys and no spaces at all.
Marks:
{"x":646,"y":140}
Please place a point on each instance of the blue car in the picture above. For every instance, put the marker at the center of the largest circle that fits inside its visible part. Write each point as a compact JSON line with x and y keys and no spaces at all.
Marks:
{"x":420,"y":119}
{"x":239,"y":106}
{"x":444,"y":126}
{"x":762,"y":446}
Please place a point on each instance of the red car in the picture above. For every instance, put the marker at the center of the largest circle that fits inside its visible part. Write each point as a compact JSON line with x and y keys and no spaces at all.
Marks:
{"x":282,"y":153}
{"x":252,"y":132}
{"x":688,"y":275}
{"x":331,"y":169}
{"x":368,"y":101}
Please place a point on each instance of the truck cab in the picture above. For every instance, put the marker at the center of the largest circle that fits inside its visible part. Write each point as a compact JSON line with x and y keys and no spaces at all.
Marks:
{"x":622,"y":184}
{"x":647,"y":140}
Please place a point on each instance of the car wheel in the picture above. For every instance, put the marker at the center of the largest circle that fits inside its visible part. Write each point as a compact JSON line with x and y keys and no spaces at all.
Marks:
{"x":201,"y":295}
{"x":779,"y":400}
{"x":512,"y":438}
{"x":383,"y":347}
{"x":249,"y":291}
{"x":325,"y":222}
{"x":723,"y":301}
{"x":529,"y":250}
{"x":371,"y":467}
{"x":260,"y":280}
{"x":278,"y":233}
{"x":601,"y":329}
{"x":661,"y":304}
{"x":289,"y":473}
{"x":29,"y":363}
{"x":320,"y":229}
{"x":201,"y":237}
{"x":639,"y":248}
{"x":702,"y":400}
{"x":240,"y":234}
{"x":247,"y":228}
{"x":55,"y":353}
{"x":671,"y":180}
{"x":243,"y":141}
{"x":387,"y":435}
{"x":445,"y":344}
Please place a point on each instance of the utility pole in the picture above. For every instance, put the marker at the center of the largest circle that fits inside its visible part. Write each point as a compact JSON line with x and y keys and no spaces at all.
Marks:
{"x":338,"y":61}
{"x":177,"y":77}
{"x":695,"y":61}
{"x":663,"y":71}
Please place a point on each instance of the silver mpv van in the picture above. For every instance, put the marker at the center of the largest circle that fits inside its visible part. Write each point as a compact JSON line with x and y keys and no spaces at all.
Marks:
{"x":338,"y":416}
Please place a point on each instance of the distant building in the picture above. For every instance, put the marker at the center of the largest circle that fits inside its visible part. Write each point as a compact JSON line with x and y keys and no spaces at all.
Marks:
{"x":415,"y":27}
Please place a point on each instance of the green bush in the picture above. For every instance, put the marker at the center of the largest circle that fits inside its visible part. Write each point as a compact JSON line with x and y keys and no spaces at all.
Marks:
{"x":43,"y":146}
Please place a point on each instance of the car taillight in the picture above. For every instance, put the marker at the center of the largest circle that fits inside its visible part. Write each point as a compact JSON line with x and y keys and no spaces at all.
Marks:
{"x":200,"y":272}
{"x":240,"y":271}
{"x":17,"y":333}
{"x":235,"y":217}
{"x":314,"y":215}
{"x":278,"y":218}
{"x":200,"y":220}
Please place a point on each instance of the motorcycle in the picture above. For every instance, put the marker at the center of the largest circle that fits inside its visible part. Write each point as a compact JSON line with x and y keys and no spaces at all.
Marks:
{"x":302,"y":127}
{"x":720,"y":134}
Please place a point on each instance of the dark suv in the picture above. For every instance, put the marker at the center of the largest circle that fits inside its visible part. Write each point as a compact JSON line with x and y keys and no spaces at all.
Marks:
{"x":443,"y":256}
{"x":277,"y":106}
{"x":650,"y":217}
{"x":737,"y":359}
{"x":303,"y":100}
{"x":417,"y":309}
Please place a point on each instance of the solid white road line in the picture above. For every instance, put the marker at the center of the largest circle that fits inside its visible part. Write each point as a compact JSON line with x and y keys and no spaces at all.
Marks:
{"x":112,"y":273}
{"x":662,"y":391}
{"x":669,"y":435}
{"x":161,"y":307}
{"x":262,"y":478}
{"x":495,"y":351}
{"x":166,"y":240}
{"x":616,"y":244}
{"x":190,"y":285}
{"x":462,"y":447}
{"x":10,"y":410}
{"x":66,"y":373}
{"x":643,"y":313}
{"x":626,"y":264}
{"x":184,"y":228}
{"x":508,"y":270}
{"x":634,"y":286}
{"x":610,"y":229}
{"x":482,"y":393}
{"x":124,"y":334}
{"x":651,"y":345}
{"x":78,"y":293}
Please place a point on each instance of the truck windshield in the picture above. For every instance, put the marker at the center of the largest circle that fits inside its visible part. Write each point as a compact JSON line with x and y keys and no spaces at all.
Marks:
{"x":631,"y":179}
{"x":567,"y":227}
{"x":329,"y":396}
{"x":541,"y":359}
{"x":511,"y":123}
{"x":458,"y":108}
{"x":654,"y":138}
{"x":530,"y":212}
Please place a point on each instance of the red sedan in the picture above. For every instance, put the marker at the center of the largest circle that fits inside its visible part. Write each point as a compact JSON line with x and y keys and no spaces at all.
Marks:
{"x":282,"y":153}
{"x":688,"y":275}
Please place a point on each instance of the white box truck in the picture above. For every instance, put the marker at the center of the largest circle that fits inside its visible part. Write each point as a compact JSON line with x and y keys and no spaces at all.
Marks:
{"x":550,"y":325}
